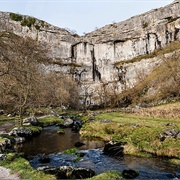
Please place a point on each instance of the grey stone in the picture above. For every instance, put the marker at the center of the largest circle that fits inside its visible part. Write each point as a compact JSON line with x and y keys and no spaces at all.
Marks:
{"x":68,"y":122}
{"x":97,"y":53}
{"x":31,"y":121}
{"x":2,"y":157}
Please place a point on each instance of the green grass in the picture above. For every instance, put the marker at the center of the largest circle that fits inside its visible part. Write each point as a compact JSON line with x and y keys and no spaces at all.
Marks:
{"x":109,"y":175}
{"x":60,"y":131}
{"x":137,"y":119}
{"x":140,"y":133}
{"x":4,"y":119}
{"x":22,"y":167}
{"x":51,"y":120}
{"x":70,"y":151}
{"x":34,"y":129}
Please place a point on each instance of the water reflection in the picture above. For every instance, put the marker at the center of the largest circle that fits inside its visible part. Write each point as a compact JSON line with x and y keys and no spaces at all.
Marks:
{"x":51,"y":142}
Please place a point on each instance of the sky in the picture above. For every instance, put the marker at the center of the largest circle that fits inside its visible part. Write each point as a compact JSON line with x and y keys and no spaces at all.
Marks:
{"x":81,"y":16}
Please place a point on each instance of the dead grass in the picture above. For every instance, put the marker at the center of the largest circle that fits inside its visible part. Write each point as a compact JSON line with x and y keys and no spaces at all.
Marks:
{"x":171,"y":110}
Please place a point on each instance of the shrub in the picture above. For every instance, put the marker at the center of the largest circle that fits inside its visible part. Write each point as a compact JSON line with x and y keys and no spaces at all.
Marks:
{"x":28,"y":22}
{"x":16,"y":17}
{"x":145,"y":25}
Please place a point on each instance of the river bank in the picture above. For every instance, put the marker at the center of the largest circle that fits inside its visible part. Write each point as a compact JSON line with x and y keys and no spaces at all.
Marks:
{"x":148,"y":136}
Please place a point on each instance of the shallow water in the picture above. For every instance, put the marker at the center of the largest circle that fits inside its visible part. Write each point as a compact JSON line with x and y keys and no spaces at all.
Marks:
{"x":51,"y":143}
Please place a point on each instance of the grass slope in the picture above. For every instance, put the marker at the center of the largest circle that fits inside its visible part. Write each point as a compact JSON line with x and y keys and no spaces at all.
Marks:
{"x":139,"y":131}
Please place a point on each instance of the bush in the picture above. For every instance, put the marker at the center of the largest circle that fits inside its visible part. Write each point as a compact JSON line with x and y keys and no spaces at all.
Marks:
{"x":28,"y":22}
{"x":16,"y":17}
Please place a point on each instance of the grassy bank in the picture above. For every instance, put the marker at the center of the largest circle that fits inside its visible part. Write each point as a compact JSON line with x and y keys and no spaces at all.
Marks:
{"x":141,"y":132}
{"x":50,"y":120}
{"x":22,"y":167}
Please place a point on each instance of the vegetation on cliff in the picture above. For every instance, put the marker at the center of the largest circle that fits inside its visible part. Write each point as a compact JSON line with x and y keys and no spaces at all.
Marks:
{"x":159,"y":87}
{"x":24,"y":84}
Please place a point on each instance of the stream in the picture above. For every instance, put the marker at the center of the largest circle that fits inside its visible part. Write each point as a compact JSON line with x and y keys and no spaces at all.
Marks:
{"x":52,"y":144}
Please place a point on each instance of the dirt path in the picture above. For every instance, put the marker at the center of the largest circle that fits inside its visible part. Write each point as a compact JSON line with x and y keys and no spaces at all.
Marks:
{"x":6,"y":175}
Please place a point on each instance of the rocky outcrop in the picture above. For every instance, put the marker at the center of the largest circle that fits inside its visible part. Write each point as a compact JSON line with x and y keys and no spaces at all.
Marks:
{"x":100,"y":59}
{"x":57,"y":40}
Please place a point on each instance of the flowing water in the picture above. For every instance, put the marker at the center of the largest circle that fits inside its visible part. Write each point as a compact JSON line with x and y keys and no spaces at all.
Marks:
{"x":51,"y":143}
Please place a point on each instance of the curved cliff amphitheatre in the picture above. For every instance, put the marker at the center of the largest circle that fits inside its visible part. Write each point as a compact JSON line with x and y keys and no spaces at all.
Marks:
{"x":107,"y":57}
{"x":115,"y":91}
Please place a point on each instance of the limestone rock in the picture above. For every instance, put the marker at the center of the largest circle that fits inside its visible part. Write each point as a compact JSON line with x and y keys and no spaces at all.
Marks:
{"x":31,"y":121}
{"x":96,"y":57}
{"x":21,"y":132}
{"x":68,"y":122}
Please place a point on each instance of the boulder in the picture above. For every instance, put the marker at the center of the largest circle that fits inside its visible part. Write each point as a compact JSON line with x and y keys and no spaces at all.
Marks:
{"x":113,"y":149}
{"x":68,"y":172}
{"x":82,"y":173}
{"x":77,"y":126}
{"x":31,"y":121}
{"x":171,"y":133}
{"x":64,"y":172}
{"x":178,"y":136}
{"x":2,"y":157}
{"x":130,"y":174}
{"x":161,"y":137}
{"x":21,"y":132}
{"x":68,"y":123}
{"x":1,"y":112}
{"x":48,"y":170}
{"x":19,"y":140}
{"x":79,"y":144}
{"x":55,"y":113}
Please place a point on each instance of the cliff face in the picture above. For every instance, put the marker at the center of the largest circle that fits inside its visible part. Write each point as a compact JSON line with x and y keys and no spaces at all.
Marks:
{"x":102,"y":58}
{"x":57,"y":40}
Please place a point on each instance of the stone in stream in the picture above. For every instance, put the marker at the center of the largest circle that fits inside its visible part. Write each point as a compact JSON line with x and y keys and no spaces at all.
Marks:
{"x":48,"y":170}
{"x":68,"y":123}
{"x":113,"y":149}
{"x":21,"y":132}
{"x":82,"y":173}
{"x":77,"y":124}
{"x":79,"y":144}
{"x":130,"y":174}
{"x":68,"y":172}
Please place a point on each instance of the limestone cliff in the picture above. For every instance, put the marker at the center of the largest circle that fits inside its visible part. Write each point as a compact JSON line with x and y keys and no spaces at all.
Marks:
{"x":103,"y":58}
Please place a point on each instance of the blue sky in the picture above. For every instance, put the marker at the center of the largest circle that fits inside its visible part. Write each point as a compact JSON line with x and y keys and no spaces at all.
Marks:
{"x":83,"y":16}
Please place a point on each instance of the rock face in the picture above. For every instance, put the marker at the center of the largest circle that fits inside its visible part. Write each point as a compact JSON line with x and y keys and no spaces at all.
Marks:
{"x":101,"y":58}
